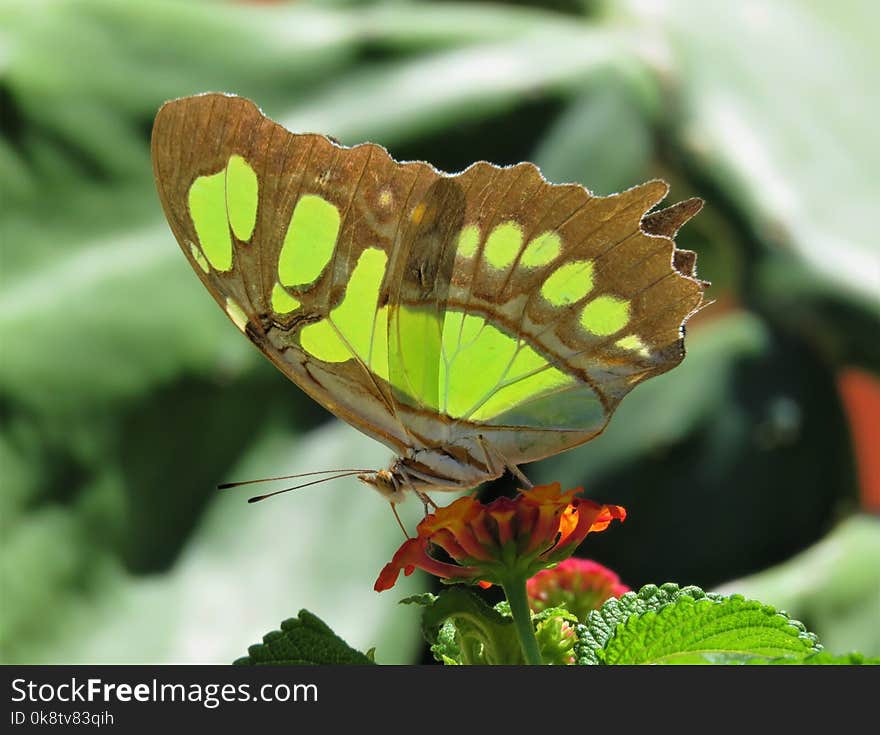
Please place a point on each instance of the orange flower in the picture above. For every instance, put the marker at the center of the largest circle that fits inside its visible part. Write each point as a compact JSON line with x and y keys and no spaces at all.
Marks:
{"x":507,"y":537}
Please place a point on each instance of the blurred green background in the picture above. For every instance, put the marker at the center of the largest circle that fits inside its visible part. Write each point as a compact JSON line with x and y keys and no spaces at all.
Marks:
{"x":126,"y":395}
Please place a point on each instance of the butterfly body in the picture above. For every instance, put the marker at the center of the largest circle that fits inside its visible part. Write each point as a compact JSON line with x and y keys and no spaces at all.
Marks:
{"x":470,"y":322}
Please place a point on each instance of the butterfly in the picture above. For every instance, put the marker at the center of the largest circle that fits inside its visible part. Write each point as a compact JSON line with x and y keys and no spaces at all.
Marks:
{"x":471,"y":322}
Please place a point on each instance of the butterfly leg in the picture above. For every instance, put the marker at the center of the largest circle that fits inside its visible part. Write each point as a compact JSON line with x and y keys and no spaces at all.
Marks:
{"x":426,"y":501}
{"x":394,"y":508}
{"x":519,"y":474}
{"x":490,"y":464}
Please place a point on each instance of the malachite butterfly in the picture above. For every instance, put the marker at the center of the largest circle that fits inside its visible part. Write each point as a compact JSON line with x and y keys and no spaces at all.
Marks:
{"x":471,"y":322}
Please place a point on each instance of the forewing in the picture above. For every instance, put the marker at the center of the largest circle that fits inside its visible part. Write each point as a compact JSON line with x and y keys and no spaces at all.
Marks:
{"x":292,"y":235}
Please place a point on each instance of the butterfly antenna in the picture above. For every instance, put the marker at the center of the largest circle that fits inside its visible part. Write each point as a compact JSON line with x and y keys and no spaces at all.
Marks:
{"x":227,"y":485}
{"x":399,"y":522}
{"x":258,"y":498}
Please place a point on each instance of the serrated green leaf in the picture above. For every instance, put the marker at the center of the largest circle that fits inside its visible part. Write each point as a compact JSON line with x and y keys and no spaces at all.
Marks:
{"x":305,"y":639}
{"x":707,"y":631}
{"x":600,"y":624}
{"x":669,"y":624}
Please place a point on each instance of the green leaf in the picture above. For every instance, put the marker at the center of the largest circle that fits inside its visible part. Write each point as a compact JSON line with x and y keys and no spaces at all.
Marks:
{"x":462,"y":628}
{"x":672,"y":625}
{"x":462,"y":604}
{"x":305,"y":639}
{"x":600,"y":625}
{"x":706,"y":631}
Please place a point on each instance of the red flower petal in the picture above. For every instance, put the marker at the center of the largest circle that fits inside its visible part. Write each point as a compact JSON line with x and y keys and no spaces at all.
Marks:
{"x":414,"y":553}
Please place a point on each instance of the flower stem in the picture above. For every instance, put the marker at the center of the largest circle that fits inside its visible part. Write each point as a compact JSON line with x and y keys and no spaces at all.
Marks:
{"x":515,"y":591}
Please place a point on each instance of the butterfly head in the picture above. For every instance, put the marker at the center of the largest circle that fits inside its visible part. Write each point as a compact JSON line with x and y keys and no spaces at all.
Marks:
{"x":386,"y":484}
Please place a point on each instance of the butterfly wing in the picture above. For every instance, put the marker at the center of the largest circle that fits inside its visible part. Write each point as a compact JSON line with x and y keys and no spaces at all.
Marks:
{"x":426,"y":310}
{"x":292,"y":235}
